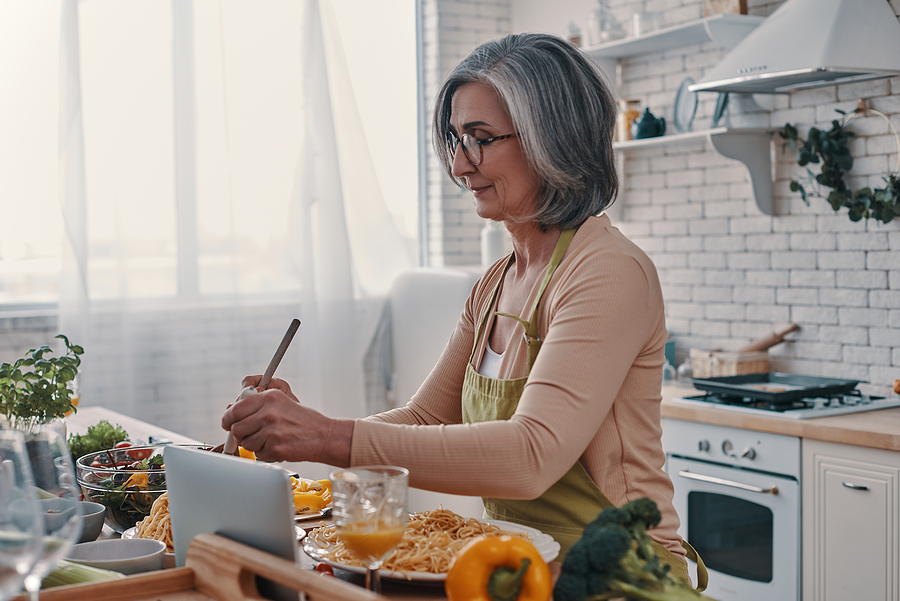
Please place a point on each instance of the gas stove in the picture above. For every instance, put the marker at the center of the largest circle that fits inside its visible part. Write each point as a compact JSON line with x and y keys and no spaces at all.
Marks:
{"x":786,"y":395}
{"x":805,"y":408}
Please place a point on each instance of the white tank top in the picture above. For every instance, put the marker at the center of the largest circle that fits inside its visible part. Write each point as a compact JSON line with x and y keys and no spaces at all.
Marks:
{"x":490,"y":363}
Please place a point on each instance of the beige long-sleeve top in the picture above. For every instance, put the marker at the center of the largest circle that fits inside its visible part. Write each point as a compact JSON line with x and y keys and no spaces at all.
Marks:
{"x":593,"y":394}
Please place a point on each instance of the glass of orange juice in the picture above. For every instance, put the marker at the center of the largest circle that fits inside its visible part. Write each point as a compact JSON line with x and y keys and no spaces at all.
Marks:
{"x":369,"y":509}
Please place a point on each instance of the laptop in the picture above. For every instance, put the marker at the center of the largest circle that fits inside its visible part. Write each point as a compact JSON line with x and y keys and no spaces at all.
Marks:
{"x":243,"y":500}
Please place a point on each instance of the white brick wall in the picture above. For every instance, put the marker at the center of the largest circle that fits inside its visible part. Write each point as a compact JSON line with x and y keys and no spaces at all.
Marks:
{"x":457,"y":26}
{"x":731,"y":274}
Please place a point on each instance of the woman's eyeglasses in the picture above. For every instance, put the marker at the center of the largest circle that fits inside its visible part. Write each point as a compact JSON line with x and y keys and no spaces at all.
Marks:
{"x":471,"y":145}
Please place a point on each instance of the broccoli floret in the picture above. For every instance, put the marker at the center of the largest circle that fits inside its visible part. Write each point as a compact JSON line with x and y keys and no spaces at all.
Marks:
{"x":615,"y":558}
{"x":637,"y":517}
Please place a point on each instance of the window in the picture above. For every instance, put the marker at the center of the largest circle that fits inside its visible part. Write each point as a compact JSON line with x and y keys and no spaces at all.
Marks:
{"x":246,"y":140}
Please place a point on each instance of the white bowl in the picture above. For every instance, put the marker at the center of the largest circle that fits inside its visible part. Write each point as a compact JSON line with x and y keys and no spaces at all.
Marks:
{"x":91,"y":521}
{"x":125,"y":556}
{"x":57,"y":511}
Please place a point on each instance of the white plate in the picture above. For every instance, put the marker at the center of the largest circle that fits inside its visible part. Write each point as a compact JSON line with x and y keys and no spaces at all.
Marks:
{"x":544,"y":543}
{"x":132,"y":533}
{"x":302,"y":517}
{"x":685,"y":106}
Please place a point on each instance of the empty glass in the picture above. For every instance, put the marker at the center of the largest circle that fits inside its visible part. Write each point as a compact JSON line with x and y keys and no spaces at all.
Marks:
{"x":369,"y":508}
{"x":20,"y":521}
{"x":59,"y":501}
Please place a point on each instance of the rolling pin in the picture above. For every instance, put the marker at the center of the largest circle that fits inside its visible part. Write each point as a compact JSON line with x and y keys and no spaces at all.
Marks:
{"x":770,"y":340}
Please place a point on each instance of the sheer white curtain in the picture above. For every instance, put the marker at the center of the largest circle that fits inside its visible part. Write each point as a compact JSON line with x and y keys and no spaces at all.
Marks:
{"x":215,"y":183}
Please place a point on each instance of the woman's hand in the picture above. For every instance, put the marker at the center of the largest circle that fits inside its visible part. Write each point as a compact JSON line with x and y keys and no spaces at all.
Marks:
{"x":275,"y":383}
{"x":276,"y":427}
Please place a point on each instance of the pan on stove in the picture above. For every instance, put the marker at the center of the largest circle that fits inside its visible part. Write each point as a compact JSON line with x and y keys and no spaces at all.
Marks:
{"x":774,"y":387}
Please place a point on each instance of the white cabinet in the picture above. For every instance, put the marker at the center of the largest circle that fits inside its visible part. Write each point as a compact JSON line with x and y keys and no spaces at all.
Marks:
{"x":851,"y":525}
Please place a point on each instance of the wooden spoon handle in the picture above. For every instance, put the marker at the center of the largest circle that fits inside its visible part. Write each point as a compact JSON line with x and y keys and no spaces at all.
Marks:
{"x":279,"y":353}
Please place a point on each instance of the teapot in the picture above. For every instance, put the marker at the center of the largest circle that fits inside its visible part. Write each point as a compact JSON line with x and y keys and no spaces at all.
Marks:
{"x":648,"y":126}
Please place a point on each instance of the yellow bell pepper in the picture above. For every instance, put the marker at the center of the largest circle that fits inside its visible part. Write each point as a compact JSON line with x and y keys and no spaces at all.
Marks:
{"x":246,"y":454}
{"x":498,"y":568}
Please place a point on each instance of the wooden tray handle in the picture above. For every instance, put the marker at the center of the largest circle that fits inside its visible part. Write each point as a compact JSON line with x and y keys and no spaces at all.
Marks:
{"x":225,"y":570}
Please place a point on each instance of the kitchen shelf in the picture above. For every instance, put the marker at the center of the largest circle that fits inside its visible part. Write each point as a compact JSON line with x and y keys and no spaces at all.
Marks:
{"x":724,"y":30}
{"x":750,"y":146}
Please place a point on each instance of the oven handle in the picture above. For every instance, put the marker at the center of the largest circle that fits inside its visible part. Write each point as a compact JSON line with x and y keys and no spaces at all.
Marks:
{"x":723,"y":482}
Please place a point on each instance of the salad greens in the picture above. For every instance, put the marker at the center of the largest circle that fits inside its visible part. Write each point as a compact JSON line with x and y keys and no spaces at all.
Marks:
{"x":98,"y":437}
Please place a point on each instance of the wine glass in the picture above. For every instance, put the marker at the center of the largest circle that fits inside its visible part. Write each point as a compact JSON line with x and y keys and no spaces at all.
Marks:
{"x":21,"y":525}
{"x":369,"y":509}
{"x":59,"y":500}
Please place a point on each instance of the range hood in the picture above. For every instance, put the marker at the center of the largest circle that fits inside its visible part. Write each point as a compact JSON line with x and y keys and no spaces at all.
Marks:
{"x":811,"y":44}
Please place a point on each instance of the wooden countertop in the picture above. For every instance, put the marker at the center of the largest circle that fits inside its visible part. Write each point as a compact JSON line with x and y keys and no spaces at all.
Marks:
{"x":876,"y":429}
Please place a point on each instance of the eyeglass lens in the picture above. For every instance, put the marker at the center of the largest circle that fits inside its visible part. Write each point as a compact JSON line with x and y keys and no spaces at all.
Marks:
{"x":471,"y":147}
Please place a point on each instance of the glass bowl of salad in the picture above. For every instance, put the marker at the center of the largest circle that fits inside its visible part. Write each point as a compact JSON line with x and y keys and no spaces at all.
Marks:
{"x":125,"y":479}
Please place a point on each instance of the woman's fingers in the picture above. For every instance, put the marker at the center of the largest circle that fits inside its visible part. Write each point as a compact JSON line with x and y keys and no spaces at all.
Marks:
{"x":275,"y":384}
{"x":251,"y":380}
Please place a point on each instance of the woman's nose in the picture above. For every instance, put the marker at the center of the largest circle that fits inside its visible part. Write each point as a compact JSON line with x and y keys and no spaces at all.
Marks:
{"x":461,"y":165}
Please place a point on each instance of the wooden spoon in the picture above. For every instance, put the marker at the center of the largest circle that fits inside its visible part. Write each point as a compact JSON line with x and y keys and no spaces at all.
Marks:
{"x":230,"y":446}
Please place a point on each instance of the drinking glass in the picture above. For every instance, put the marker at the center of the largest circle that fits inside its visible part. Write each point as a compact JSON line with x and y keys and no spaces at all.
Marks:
{"x":59,"y":502}
{"x":21,"y":525}
{"x":369,"y":509}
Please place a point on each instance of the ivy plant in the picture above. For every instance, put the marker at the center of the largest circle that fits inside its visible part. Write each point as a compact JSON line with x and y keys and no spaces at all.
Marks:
{"x":35,"y":389}
{"x":831,"y":150}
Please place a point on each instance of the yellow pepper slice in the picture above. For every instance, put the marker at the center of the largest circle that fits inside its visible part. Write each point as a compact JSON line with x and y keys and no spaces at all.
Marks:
{"x":246,"y":454}
{"x":308,"y":502}
{"x":142,"y":480}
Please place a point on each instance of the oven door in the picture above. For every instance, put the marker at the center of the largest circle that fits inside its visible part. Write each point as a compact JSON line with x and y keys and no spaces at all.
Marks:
{"x":744,"y":524}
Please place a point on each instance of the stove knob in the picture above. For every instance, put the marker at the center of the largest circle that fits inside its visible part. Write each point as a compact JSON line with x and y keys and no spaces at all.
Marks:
{"x":703,"y":445}
{"x":749,"y":453}
{"x":727,"y":448}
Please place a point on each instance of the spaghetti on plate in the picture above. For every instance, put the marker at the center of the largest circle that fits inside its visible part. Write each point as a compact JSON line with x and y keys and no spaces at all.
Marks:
{"x":430,"y":541}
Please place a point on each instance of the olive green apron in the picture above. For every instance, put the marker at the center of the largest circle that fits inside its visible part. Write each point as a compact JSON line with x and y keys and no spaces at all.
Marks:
{"x":574,"y":500}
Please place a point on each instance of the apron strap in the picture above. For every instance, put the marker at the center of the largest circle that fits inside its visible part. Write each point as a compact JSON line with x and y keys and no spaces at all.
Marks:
{"x":702,"y":574}
{"x":484,"y":318}
{"x":531,"y":331}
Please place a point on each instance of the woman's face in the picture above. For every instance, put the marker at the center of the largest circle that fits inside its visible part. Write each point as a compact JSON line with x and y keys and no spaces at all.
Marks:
{"x":503,"y":185}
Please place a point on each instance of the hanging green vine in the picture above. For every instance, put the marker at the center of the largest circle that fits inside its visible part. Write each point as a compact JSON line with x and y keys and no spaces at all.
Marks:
{"x":831,"y":150}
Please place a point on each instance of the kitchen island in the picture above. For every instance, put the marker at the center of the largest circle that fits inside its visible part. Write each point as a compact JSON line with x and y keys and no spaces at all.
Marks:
{"x":139,"y":430}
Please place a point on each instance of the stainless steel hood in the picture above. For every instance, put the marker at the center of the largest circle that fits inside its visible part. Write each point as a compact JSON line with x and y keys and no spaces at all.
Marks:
{"x":811,"y":44}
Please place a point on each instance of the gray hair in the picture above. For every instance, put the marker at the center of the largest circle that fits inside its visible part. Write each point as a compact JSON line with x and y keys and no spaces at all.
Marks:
{"x":563,"y":112}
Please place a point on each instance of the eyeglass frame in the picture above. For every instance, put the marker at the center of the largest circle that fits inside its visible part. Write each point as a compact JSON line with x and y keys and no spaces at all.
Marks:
{"x":453,"y":144}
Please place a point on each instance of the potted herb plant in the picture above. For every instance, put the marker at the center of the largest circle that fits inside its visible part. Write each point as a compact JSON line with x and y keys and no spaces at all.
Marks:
{"x":35,"y":390}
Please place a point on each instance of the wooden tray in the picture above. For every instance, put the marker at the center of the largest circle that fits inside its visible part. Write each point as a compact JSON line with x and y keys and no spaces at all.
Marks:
{"x":216,"y":569}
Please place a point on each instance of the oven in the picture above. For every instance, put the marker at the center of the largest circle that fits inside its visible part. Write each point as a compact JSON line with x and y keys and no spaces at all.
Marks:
{"x":737,"y":493}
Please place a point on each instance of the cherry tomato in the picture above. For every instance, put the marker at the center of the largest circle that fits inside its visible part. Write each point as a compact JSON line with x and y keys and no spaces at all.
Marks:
{"x":324,"y":569}
{"x":139,"y":453}
{"x":122,"y":445}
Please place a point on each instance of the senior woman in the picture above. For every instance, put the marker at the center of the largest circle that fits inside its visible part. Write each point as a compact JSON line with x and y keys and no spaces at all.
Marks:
{"x":546,"y":399}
